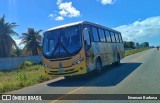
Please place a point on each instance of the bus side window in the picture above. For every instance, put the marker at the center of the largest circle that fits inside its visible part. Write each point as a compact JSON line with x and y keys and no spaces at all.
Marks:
{"x":95,"y":34}
{"x":120,"y":38}
{"x":101,"y":34}
{"x":87,"y":41}
{"x":108,"y":37}
{"x":117,"y":38}
{"x":112,"y":37}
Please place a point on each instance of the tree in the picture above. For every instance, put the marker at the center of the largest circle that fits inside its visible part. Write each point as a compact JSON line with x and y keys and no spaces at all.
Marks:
{"x":32,"y":40}
{"x":132,"y":44}
{"x":17,"y":52}
{"x":129,"y":44}
{"x":137,"y":45}
{"x":146,"y":44}
{"x":6,"y":42}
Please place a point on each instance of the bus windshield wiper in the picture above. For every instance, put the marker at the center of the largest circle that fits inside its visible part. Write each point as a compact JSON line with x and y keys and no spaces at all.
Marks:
{"x":65,"y":49}
{"x":56,"y":47}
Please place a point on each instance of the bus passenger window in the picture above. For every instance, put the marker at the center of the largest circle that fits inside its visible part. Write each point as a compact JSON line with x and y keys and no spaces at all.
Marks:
{"x":95,"y":34}
{"x":108,"y":37}
{"x":101,"y":34}
{"x":120,"y":38}
{"x":87,"y":42}
{"x":116,"y":36}
{"x":113,"y":37}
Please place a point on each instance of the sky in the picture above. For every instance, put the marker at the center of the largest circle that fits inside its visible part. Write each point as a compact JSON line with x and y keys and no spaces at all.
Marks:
{"x":137,"y":20}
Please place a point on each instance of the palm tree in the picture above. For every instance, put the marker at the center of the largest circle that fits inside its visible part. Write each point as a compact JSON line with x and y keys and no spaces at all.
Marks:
{"x":17,"y":52}
{"x":32,"y":40}
{"x":6,"y":41}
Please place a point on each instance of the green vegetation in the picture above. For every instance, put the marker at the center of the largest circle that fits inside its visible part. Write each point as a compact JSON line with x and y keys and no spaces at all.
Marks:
{"x":134,"y":51}
{"x":29,"y":74}
{"x":32,"y":40}
{"x":132,"y":45}
{"x":16,"y":52}
{"x":7,"y":43}
{"x":133,"y":48}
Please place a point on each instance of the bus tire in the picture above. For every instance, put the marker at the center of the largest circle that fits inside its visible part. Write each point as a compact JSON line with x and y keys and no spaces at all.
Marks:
{"x":98,"y":66}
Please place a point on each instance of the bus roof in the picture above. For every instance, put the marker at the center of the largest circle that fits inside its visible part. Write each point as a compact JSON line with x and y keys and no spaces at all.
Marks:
{"x":82,"y":22}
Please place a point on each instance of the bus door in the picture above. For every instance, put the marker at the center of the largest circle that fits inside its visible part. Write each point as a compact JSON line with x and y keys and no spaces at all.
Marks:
{"x":88,"y":49}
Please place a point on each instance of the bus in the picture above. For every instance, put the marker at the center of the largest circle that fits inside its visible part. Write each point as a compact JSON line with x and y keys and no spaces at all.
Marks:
{"x":80,"y":47}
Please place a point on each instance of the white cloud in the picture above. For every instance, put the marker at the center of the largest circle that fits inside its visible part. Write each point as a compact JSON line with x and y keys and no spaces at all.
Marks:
{"x":51,"y":15}
{"x":66,"y":9}
{"x":59,"y":18}
{"x":63,"y":13}
{"x":149,"y":27}
{"x":59,"y":2}
{"x":105,"y":2}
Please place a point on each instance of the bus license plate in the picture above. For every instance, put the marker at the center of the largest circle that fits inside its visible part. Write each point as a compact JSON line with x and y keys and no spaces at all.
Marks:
{"x":61,"y":71}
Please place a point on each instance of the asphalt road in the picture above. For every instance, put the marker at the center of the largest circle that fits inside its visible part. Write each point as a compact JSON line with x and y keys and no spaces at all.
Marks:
{"x":137,"y":74}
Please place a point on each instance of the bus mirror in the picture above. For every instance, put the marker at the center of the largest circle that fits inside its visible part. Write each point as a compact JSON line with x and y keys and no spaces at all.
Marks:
{"x":41,"y":41}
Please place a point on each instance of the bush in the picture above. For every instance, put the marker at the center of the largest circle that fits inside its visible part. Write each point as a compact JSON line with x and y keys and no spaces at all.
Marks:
{"x":21,"y":76}
{"x":29,"y":75}
{"x":11,"y":86}
{"x":33,"y":68}
{"x":20,"y":85}
{"x":134,"y":51}
{"x":42,"y":78}
{"x":6,"y":87}
{"x":20,"y":66}
{"x":28,"y":63}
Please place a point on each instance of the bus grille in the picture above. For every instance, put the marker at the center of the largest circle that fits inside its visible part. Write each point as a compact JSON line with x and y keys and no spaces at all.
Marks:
{"x":70,"y":71}
{"x":63,"y":73}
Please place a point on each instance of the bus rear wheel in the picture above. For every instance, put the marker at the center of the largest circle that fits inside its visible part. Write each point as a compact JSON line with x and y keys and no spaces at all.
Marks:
{"x":98,"y":66}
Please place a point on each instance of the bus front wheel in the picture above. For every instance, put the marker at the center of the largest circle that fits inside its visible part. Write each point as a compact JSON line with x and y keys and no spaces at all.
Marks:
{"x":98,"y":66}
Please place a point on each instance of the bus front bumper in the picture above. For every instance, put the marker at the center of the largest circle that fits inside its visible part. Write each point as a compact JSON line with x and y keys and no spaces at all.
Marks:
{"x":69,"y":71}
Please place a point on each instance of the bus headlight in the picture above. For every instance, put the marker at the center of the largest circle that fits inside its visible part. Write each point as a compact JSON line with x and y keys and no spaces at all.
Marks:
{"x":46,"y":66}
{"x":78,"y":61}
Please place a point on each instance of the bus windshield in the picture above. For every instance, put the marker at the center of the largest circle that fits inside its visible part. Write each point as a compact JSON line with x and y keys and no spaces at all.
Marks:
{"x":62,"y":43}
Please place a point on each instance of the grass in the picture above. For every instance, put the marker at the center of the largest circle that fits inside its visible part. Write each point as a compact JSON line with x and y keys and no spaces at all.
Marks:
{"x":28,"y":76}
{"x":134,"y":51}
